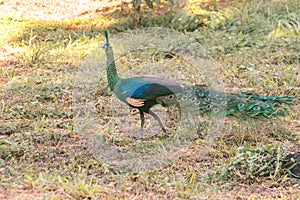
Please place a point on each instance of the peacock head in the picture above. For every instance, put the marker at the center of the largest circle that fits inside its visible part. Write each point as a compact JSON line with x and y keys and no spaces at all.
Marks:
{"x":106,"y":45}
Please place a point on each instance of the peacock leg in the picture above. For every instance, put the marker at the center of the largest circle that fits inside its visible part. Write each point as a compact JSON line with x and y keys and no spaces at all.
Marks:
{"x":142,"y":119}
{"x":157,"y":119}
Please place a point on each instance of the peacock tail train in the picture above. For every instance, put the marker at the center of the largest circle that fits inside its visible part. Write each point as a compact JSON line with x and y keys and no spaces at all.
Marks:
{"x":202,"y":100}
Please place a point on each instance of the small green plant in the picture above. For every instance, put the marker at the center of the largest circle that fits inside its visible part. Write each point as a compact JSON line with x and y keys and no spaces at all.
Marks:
{"x":33,"y":54}
{"x":137,"y":8}
{"x":249,"y":163}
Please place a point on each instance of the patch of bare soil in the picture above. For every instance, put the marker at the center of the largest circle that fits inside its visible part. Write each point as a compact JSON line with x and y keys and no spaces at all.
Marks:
{"x":58,"y":10}
{"x":259,"y":192}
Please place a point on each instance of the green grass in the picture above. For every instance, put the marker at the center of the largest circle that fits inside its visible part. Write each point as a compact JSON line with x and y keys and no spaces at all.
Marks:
{"x":255,"y":46}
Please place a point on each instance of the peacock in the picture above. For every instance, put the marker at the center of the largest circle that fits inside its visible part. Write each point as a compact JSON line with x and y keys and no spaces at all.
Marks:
{"x":143,"y":92}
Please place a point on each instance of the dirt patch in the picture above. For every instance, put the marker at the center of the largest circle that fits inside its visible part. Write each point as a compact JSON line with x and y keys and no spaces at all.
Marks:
{"x":58,"y":10}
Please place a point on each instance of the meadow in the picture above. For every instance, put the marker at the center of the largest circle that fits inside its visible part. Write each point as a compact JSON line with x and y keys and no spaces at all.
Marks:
{"x":255,"y":46}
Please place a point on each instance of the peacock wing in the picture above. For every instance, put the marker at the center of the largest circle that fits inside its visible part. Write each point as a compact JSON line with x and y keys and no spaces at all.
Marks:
{"x":148,"y":88}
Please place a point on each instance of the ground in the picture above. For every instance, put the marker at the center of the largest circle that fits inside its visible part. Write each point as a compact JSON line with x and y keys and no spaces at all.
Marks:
{"x":255,"y":47}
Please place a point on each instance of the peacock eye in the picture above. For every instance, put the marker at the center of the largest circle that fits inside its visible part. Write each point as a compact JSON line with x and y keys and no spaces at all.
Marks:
{"x":265,"y":106}
{"x":197,"y":102}
{"x":193,"y":99}
{"x":184,"y":98}
{"x":201,"y":94}
{"x":206,"y":99}
{"x":208,"y":106}
{"x":256,"y":108}
{"x":224,"y":102}
{"x":171,"y":96}
{"x":263,"y":97}
{"x":241,"y":105}
{"x":215,"y":110}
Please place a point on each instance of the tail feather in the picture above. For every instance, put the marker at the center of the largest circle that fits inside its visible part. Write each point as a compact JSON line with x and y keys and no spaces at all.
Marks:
{"x":201,"y":100}
{"x":278,"y":99}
